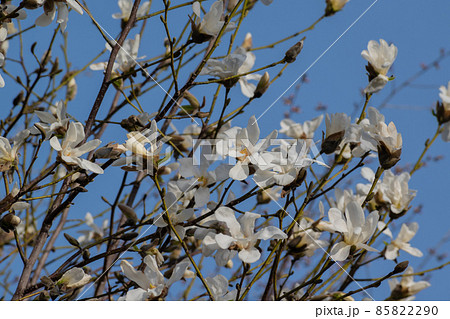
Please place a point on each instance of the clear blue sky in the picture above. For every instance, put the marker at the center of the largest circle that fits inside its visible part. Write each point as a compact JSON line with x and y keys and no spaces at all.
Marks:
{"x":419,"y":31}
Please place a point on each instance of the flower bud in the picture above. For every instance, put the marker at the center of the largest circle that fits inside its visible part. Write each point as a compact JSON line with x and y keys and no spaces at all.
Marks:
{"x":400,"y":267}
{"x":9,"y":222}
{"x":388,"y":158}
{"x":331,"y":142}
{"x":293,"y":52}
{"x":110,"y":150}
{"x":32,"y":4}
{"x":248,"y":42}
{"x":442,"y":114}
{"x":334,"y":6}
{"x":128,"y":212}
{"x":262,"y":86}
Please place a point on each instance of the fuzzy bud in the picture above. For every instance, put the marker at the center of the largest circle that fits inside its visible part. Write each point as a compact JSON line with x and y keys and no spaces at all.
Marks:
{"x":248,"y":42}
{"x":334,"y":6}
{"x":293,"y":52}
{"x":128,"y":212}
{"x":262,"y":86}
{"x":9,"y":222}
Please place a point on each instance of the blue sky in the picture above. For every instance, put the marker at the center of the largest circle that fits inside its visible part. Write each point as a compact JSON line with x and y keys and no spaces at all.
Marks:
{"x":336,"y":80}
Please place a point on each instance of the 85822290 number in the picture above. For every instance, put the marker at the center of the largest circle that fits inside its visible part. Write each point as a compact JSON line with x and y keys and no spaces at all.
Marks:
{"x":407,"y":310}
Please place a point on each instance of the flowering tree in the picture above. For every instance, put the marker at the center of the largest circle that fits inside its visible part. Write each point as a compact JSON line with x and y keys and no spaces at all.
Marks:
{"x":188,"y":205}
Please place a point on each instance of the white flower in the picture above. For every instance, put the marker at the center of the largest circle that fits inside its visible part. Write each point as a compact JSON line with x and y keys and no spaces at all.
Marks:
{"x":151,"y":281}
{"x":285,"y":164}
{"x":126,"y":57}
{"x":70,"y":152}
{"x":389,"y":145}
{"x":304,"y":240}
{"x":126,"y":6}
{"x":406,"y":288}
{"x":240,"y":236}
{"x":393,"y":189}
{"x":355,"y":228}
{"x":300,"y":131}
{"x":445,"y":97}
{"x":74,"y":278}
{"x":18,"y":205}
{"x":9,"y":156}
{"x":53,"y":123}
{"x":63,"y":12}
{"x":2,"y":62}
{"x":176,"y":213}
{"x":95,"y":233}
{"x":336,"y":123}
{"x":380,"y":56}
{"x":362,"y":135}
{"x":336,"y":126}
{"x":247,"y":88}
{"x":219,"y":288}
{"x":344,"y":197}
{"x":212,"y":21}
{"x":244,"y":145}
{"x":227,"y":67}
{"x":407,"y":232}
{"x":142,"y":157}
{"x":201,"y":178}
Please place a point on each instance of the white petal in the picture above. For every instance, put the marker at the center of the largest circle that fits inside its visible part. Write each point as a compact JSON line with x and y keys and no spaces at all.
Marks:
{"x":137,"y":276}
{"x":249,"y":255}
{"x":270,"y":232}
{"x":224,"y":241}
{"x":340,"y":251}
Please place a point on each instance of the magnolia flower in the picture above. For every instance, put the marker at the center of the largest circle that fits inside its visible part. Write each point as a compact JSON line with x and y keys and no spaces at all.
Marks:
{"x":336,"y":125}
{"x":63,"y":12}
{"x":219,"y":288}
{"x":70,"y":152}
{"x":406,"y":288}
{"x":240,"y":236}
{"x":244,"y":145}
{"x":343,"y":197}
{"x":201,"y":178}
{"x":355,"y":228}
{"x":74,"y":278}
{"x":362,"y":135}
{"x":212,"y":22}
{"x":407,"y":232}
{"x":53,"y":123}
{"x":9,"y":156}
{"x":228,"y":67}
{"x":176,"y":213}
{"x":142,"y":158}
{"x":151,"y":281}
{"x":389,"y":145}
{"x":380,"y":56}
{"x":18,"y":205}
{"x":2,"y":62}
{"x":393,"y":190}
{"x":126,"y":6}
{"x":304,"y":240}
{"x":300,"y":131}
{"x":284,"y":166}
{"x":247,"y":88}
{"x":126,"y":57}
{"x":443,"y":112}
{"x":95,"y":233}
